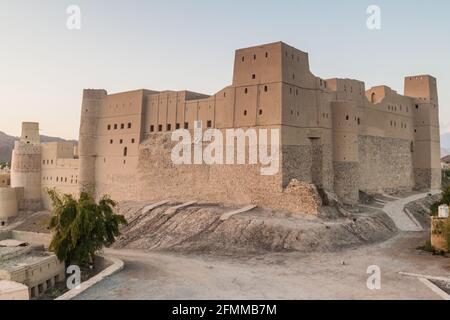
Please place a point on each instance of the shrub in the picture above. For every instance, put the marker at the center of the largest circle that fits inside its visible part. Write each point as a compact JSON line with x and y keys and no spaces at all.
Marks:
{"x":444,"y":200}
{"x":81,"y":227}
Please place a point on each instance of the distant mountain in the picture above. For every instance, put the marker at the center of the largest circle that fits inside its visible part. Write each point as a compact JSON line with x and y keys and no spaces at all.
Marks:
{"x":7,"y":145}
{"x":445,"y":144}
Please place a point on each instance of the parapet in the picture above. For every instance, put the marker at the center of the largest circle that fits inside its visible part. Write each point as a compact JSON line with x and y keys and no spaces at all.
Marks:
{"x":421,"y":87}
{"x":30,"y":133}
{"x":94,"y":93}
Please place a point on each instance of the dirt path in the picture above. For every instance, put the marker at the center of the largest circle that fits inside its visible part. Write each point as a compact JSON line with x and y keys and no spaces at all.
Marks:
{"x":318,"y":275}
{"x":339,"y":275}
{"x":404,"y":222}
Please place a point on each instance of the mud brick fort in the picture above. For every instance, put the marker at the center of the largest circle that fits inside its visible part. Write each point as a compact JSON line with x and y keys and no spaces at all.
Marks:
{"x":337,"y":138}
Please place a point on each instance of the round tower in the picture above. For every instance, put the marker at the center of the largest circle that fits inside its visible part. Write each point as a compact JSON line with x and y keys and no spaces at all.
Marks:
{"x":26,"y":167}
{"x":92,"y":101}
{"x":345,"y":151}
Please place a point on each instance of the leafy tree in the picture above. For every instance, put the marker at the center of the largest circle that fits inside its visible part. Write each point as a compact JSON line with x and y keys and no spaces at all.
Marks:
{"x":444,"y":200}
{"x":81,"y":227}
{"x":4,"y":165}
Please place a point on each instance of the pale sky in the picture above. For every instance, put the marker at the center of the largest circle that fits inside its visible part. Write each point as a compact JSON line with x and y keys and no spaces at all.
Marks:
{"x":181,"y":44}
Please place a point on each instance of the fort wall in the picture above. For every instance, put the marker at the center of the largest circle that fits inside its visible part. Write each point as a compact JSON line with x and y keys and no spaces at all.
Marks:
{"x":335,"y":136}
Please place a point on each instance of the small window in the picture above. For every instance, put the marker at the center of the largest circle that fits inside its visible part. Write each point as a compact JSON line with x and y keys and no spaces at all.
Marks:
{"x":111,"y":141}
{"x":417,"y":106}
{"x":186,"y":125}
{"x":122,"y":126}
{"x":121,"y":141}
{"x":359,"y":121}
{"x":169,"y":127}
{"x":254,"y":57}
{"x":115,"y":127}
{"x":152,"y":128}
{"x":245,"y":112}
{"x":265,"y":88}
{"x":347,"y":117}
{"x":177,"y":126}
{"x":243,"y":59}
{"x":125,"y":151}
{"x":253,"y":76}
{"x":246,"y":90}
{"x":260,"y":112}
{"x":267,"y":54}
{"x":129,"y":125}
{"x":160,"y":127}
{"x":109,"y":127}
{"x":209,"y":124}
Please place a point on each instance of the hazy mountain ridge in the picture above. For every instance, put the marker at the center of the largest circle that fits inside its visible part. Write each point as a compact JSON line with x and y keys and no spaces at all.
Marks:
{"x":445,"y":144}
{"x":7,"y":144}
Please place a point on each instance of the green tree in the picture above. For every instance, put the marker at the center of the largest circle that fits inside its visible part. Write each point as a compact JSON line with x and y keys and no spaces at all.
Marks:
{"x":445,"y":199}
{"x":81,"y":227}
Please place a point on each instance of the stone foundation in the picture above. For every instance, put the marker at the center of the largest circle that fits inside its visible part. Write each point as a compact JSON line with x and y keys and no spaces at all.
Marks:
{"x":385,"y":164}
{"x":428,"y":178}
{"x":346,"y":181}
{"x":158,"y":178}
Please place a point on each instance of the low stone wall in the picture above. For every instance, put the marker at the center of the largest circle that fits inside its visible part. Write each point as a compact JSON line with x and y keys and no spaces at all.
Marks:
{"x":30,"y":237}
{"x":112,"y":264}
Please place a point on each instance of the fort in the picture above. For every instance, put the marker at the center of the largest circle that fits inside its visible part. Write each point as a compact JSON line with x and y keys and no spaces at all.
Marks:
{"x":336,"y":139}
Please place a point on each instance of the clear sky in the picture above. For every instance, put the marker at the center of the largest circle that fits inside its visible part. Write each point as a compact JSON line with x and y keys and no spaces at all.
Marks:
{"x":181,"y":44}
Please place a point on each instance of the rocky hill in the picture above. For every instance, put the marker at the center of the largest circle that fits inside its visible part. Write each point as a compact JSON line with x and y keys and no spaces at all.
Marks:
{"x":7,"y":145}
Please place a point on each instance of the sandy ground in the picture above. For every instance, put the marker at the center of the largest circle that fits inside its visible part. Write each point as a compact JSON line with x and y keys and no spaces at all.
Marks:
{"x":337,"y":275}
